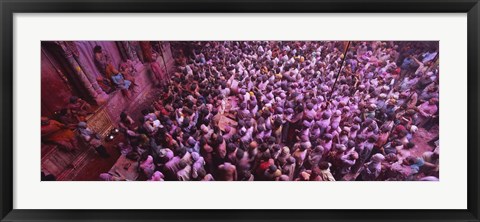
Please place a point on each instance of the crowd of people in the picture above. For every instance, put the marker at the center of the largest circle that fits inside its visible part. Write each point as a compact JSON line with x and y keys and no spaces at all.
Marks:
{"x":290,"y":111}
{"x":298,"y":111}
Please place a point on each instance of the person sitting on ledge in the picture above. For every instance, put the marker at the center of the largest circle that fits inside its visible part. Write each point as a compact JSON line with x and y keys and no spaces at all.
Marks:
{"x":79,"y":108}
{"x":120,"y":81}
{"x":104,"y":65}
{"x":92,"y":139}
{"x":111,"y":76}
{"x":58,"y":134}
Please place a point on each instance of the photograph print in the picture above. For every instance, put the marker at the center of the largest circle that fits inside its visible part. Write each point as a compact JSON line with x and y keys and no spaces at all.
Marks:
{"x":240,"y":111}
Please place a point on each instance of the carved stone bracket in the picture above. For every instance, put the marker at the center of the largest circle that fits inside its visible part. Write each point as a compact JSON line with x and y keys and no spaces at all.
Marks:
{"x":84,"y":74}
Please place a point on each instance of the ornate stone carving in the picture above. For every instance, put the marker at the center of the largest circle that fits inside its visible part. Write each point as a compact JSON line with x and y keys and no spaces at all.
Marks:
{"x":100,"y":122}
{"x":83,"y":74}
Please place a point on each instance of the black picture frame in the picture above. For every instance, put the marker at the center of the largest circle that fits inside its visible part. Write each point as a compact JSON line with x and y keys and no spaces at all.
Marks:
{"x":9,"y":7}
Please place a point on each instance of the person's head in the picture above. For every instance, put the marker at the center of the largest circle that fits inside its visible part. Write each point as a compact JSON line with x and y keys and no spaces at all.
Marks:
{"x":239,"y":154}
{"x":201,"y":173}
{"x":263,"y":147}
{"x":372,"y":139}
{"x":123,"y":116}
{"x":324,"y":165}
{"x":45,"y":120}
{"x":410,"y":145}
{"x":145,"y":112}
{"x":253,"y":145}
{"x":82,"y":125}
{"x":97,"y":49}
{"x":377,"y":158}
{"x":231,"y":147}
{"x":144,"y":157}
{"x":272,"y":168}
{"x":353,"y":156}
{"x":180,"y":151}
{"x":357,"y":120}
{"x":384,"y":129}
{"x":328,"y":137}
{"x":271,"y":140}
{"x":410,"y":160}
{"x":371,"y":127}
{"x":182,"y":164}
{"x":219,"y":139}
{"x":276,"y":147}
{"x":391,"y":157}
{"x":403,"y":133}
{"x":285,"y":150}
{"x":303,"y":146}
{"x":266,"y":156}
{"x":290,"y":160}
{"x":310,"y":106}
{"x":73,"y":99}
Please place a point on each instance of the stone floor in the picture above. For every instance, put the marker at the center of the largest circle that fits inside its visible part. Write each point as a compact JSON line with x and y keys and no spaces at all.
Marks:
{"x":422,"y":139}
{"x":96,"y":164}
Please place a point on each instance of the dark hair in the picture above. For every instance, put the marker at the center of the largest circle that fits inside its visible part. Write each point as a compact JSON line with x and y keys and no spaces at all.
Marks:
{"x":272,"y":168}
{"x":123,"y":116}
{"x":97,"y":49}
{"x":372,"y":139}
{"x":231,"y":147}
{"x":201,"y":173}
{"x":263,"y":147}
{"x":323,"y":165}
{"x":73,"y":99}
{"x":410,"y":145}
{"x":239,"y":154}
{"x":180,"y":151}
{"x":144,"y":156}
{"x":63,"y":111}
{"x":133,"y":156}
{"x":290,"y":160}
{"x":182,"y":164}
{"x":266,"y":156}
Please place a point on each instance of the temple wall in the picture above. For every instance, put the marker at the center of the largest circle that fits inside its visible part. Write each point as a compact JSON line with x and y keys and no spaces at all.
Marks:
{"x":54,"y":84}
{"x":56,"y":91}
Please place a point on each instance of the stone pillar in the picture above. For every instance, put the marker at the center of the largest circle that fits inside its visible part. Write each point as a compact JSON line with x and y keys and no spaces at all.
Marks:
{"x":122,"y":50}
{"x":71,"y":53}
{"x":130,"y":51}
{"x":102,"y":97}
{"x":136,"y":50}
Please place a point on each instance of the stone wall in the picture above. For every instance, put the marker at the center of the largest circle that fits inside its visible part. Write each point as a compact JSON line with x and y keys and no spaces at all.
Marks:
{"x":106,"y":116}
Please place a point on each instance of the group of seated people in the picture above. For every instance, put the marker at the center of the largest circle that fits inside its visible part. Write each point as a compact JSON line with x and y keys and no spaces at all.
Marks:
{"x":111,"y":78}
{"x":68,"y":130}
{"x":298,"y":111}
{"x":58,"y":130}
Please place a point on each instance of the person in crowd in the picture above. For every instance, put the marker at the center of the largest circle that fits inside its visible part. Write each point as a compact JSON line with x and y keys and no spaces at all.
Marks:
{"x":110,"y":76}
{"x":79,"y":108}
{"x":59,"y":134}
{"x":92,"y":139}
{"x":104,"y":65}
